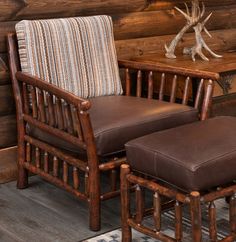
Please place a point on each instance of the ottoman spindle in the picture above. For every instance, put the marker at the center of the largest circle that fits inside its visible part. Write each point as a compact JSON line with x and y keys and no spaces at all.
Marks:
{"x":194,"y":165}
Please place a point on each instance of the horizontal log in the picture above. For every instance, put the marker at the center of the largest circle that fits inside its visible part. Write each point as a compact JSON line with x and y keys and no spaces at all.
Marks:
{"x":31,"y":9}
{"x":8,"y":131}
{"x":5,"y":27}
{"x":8,"y":167}
{"x":148,"y":23}
{"x":155,"y":23}
{"x":7,"y":104}
{"x":4,"y":78}
{"x":157,"y":4}
{"x":222,"y":40}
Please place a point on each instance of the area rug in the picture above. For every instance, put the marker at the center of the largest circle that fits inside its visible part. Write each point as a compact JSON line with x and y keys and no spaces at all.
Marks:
{"x":168,"y":226}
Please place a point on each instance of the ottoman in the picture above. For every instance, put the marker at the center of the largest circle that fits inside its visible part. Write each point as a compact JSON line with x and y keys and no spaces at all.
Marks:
{"x":191,"y":164}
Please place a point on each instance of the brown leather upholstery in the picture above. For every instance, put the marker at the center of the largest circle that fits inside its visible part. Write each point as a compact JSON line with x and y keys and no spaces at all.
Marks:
{"x":118,"y":119}
{"x":196,"y":156}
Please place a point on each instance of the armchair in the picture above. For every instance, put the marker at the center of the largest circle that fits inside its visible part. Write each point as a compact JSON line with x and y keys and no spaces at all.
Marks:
{"x":72,"y":118}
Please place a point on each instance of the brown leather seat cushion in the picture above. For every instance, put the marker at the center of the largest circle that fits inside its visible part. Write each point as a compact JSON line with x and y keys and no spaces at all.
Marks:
{"x":196,"y":156}
{"x":118,"y":119}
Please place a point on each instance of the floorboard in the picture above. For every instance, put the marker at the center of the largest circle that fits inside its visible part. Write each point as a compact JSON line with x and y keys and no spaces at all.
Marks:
{"x":45,"y":213}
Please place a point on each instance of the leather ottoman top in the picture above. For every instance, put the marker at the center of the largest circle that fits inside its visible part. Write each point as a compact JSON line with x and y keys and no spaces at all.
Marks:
{"x":192,"y":157}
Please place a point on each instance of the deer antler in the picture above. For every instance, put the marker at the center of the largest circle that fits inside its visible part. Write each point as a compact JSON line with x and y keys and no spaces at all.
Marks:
{"x":200,"y":43}
{"x":192,"y":19}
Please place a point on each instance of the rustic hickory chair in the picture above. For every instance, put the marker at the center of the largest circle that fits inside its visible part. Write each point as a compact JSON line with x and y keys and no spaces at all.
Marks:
{"x":193,"y":165}
{"x":72,"y":118}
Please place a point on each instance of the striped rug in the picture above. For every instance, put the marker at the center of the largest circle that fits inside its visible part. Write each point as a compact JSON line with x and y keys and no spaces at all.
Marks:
{"x":168,"y":226}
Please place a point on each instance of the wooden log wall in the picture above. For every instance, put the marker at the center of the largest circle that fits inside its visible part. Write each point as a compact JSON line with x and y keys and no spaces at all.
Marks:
{"x":140,"y":27}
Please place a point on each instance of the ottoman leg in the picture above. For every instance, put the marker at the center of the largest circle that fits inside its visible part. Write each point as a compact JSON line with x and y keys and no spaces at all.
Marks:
{"x":125,"y":203}
{"x":232,"y":213}
{"x":195,"y":209}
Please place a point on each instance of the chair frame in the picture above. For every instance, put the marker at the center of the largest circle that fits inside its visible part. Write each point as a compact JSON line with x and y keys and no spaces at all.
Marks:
{"x":75,"y":128}
{"x":193,"y":199}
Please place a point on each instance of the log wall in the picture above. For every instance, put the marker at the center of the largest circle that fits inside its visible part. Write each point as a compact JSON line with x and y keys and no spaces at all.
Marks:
{"x":140,"y":27}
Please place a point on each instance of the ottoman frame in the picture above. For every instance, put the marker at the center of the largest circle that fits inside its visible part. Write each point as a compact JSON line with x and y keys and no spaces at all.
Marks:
{"x":194,"y":199}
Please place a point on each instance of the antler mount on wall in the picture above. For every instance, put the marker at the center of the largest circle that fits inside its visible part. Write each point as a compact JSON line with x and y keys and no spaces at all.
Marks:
{"x":195,"y":19}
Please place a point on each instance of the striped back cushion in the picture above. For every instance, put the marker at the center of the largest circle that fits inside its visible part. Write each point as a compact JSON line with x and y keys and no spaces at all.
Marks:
{"x":76,"y":54}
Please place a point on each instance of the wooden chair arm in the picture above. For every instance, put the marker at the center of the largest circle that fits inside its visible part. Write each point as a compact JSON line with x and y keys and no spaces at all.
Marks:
{"x":70,"y":98}
{"x":158,"y":67}
{"x":54,"y":110}
{"x":202,"y":98}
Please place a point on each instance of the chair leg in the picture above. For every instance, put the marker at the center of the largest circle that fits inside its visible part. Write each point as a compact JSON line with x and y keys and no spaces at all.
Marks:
{"x":125,"y":204}
{"x":195,"y":209}
{"x":22,"y":178}
{"x":94,"y":201}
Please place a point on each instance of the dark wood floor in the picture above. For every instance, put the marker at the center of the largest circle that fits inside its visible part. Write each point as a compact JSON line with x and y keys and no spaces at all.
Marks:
{"x":45,"y":213}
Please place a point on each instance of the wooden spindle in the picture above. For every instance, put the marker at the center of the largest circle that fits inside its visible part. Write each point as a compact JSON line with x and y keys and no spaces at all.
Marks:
{"x":46,"y":166}
{"x":63,"y":103}
{"x":34,"y":101}
{"x":60,"y":120}
{"x":86,"y":183}
{"x":161,"y":91}
{"x":232,"y":213}
{"x":207,"y":100}
{"x":150,"y":85}
{"x":199,"y":94}
{"x":113,"y":179}
{"x":41,"y":104}
{"x":139,"y":84}
{"x":128,"y":82}
{"x":51,"y":110}
{"x":139,"y":205}
{"x":186,"y":91}
{"x":28,"y":152}
{"x":157,"y":211}
{"x":173,"y":89}
{"x":178,"y":221}
{"x":37,"y":157}
{"x":75,"y":177}
{"x":55,"y":166}
{"x":212,"y":222}
{"x":65,"y":172}
{"x":76,"y":123}
{"x":25,"y":98}
{"x":68,"y":118}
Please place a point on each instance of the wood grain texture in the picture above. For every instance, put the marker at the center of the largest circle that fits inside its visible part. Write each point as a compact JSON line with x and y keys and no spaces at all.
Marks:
{"x":7,"y":104}
{"x":145,"y":24}
{"x":140,"y":27}
{"x":49,"y":214}
{"x":7,"y":131}
{"x":8,"y":167}
{"x":31,"y":9}
{"x":157,"y":23}
{"x":222,"y":40}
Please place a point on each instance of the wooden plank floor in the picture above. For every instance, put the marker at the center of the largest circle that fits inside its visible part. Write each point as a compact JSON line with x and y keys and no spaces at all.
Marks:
{"x":44,"y":213}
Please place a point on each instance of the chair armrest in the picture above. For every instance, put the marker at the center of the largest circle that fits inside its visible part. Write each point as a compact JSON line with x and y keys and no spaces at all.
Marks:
{"x":54,"y":90}
{"x":53,"y":110}
{"x":158,"y":67}
{"x":201,"y":97}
